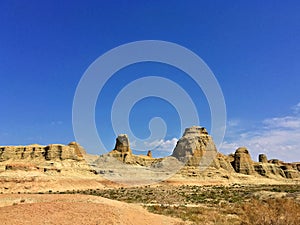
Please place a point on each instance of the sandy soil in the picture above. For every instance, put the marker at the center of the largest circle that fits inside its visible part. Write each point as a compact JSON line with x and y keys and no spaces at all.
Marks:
{"x":19,"y":209}
{"x":74,"y":209}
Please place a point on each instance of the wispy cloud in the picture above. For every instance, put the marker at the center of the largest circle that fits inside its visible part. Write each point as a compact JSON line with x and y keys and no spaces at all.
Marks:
{"x":296,"y":108}
{"x":233,"y":123}
{"x":159,"y":147}
{"x":287,"y":122}
{"x":166,"y":146}
{"x":56,"y":123}
{"x":278,"y":137}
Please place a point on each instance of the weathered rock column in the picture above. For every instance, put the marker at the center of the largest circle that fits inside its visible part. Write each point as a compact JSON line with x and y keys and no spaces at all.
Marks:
{"x":242,"y":161}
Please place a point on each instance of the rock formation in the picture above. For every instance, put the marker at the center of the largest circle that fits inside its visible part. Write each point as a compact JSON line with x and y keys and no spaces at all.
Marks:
{"x":193,"y":150}
{"x":122,"y":149}
{"x":193,"y":145}
{"x":149,"y":154}
{"x":38,"y":152}
{"x":123,"y":153}
{"x":223,"y":161}
{"x":262,"y":158}
{"x":242,"y":161}
{"x":269,"y":170}
{"x":196,"y":142}
{"x":122,"y":144}
{"x":53,"y":157}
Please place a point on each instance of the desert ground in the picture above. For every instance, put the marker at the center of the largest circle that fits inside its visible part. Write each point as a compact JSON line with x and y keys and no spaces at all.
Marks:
{"x":90,"y":199}
{"x":74,"y":209}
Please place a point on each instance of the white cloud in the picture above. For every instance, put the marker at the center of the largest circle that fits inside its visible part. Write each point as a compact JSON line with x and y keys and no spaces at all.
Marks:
{"x":290,"y":122}
{"x":296,"y":108}
{"x":233,"y":123}
{"x":162,"y":145}
{"x":278,"y":137}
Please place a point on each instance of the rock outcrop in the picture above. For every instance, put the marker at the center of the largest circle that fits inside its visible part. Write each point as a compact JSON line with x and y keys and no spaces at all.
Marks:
{"x":55,"y":152}
{"x":242,"y":161}
{"x":122,"y":149}
{"x":276,"y":168}
{"x":196,"y":142}
{"x":149,"y":154}
{"x":53,"y":157}
{"x":262,"y":158}
{"x":269,"y":170}
{"x":223,"y":161}
{"x":195,"y":152}
{"x":193,"y":145}
{"x":123,"y":152}
{"x":122,"y":144}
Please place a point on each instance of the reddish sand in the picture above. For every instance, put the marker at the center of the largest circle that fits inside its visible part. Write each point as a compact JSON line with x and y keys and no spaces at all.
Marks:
{"x":74,"y":209}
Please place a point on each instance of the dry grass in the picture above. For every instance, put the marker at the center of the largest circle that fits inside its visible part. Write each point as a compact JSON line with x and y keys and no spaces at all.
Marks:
{"x":197,"y":215}
{"x":227,"y":205}
{"x":271,"y":212}
{"x":254,"y":212}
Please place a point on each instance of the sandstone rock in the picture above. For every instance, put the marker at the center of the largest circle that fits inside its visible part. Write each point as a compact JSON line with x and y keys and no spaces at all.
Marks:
{"x":291,"y":173}
{"x":149,"y":154}
{"x":280,"y":168}
{"x":43,"y":158}
{"x":123,"y":153}
{"x":122,"y":144}
{"x":269,"y":170}
{"x":195,"y":148}
{"x":275,"y":161}
{"x":275,"y":167}
{"x":78,"y":149}
{"x":39,"y":152}
{"x":298,"y":167}
{"x":260,"y":169}
{"x":62,"y":152}
{"x":21,"y":152}
{"x":20,"y":166}
{"x":290,"y":169}
{"x":141,"y":160}
{"x":262,"y":158}
{"x":222,"y":161}
{"x":242,"y":161}
{"x":122,"y":149}
{"x":193,"y":145}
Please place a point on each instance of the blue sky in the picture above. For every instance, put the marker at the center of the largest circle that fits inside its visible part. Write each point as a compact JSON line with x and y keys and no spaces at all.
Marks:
{"x":252,"y":47}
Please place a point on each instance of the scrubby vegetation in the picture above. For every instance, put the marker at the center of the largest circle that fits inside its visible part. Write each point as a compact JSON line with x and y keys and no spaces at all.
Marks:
{"x":234,"y":204}
{"x":281,"y":211}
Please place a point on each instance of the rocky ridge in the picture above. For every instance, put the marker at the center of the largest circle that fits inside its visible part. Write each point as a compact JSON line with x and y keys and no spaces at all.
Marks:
{"x":194,"y":153}
{"x":50,"y":158}
{"x":196,"y":149}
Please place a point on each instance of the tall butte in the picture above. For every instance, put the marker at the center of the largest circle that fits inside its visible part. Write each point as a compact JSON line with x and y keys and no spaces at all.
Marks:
{"x":193,"y":145}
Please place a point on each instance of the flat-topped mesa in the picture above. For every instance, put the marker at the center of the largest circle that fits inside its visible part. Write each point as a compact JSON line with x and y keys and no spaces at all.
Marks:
{"x":54,"y":152}
{"x":50,"y":158}
{"x":194,"y":143}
